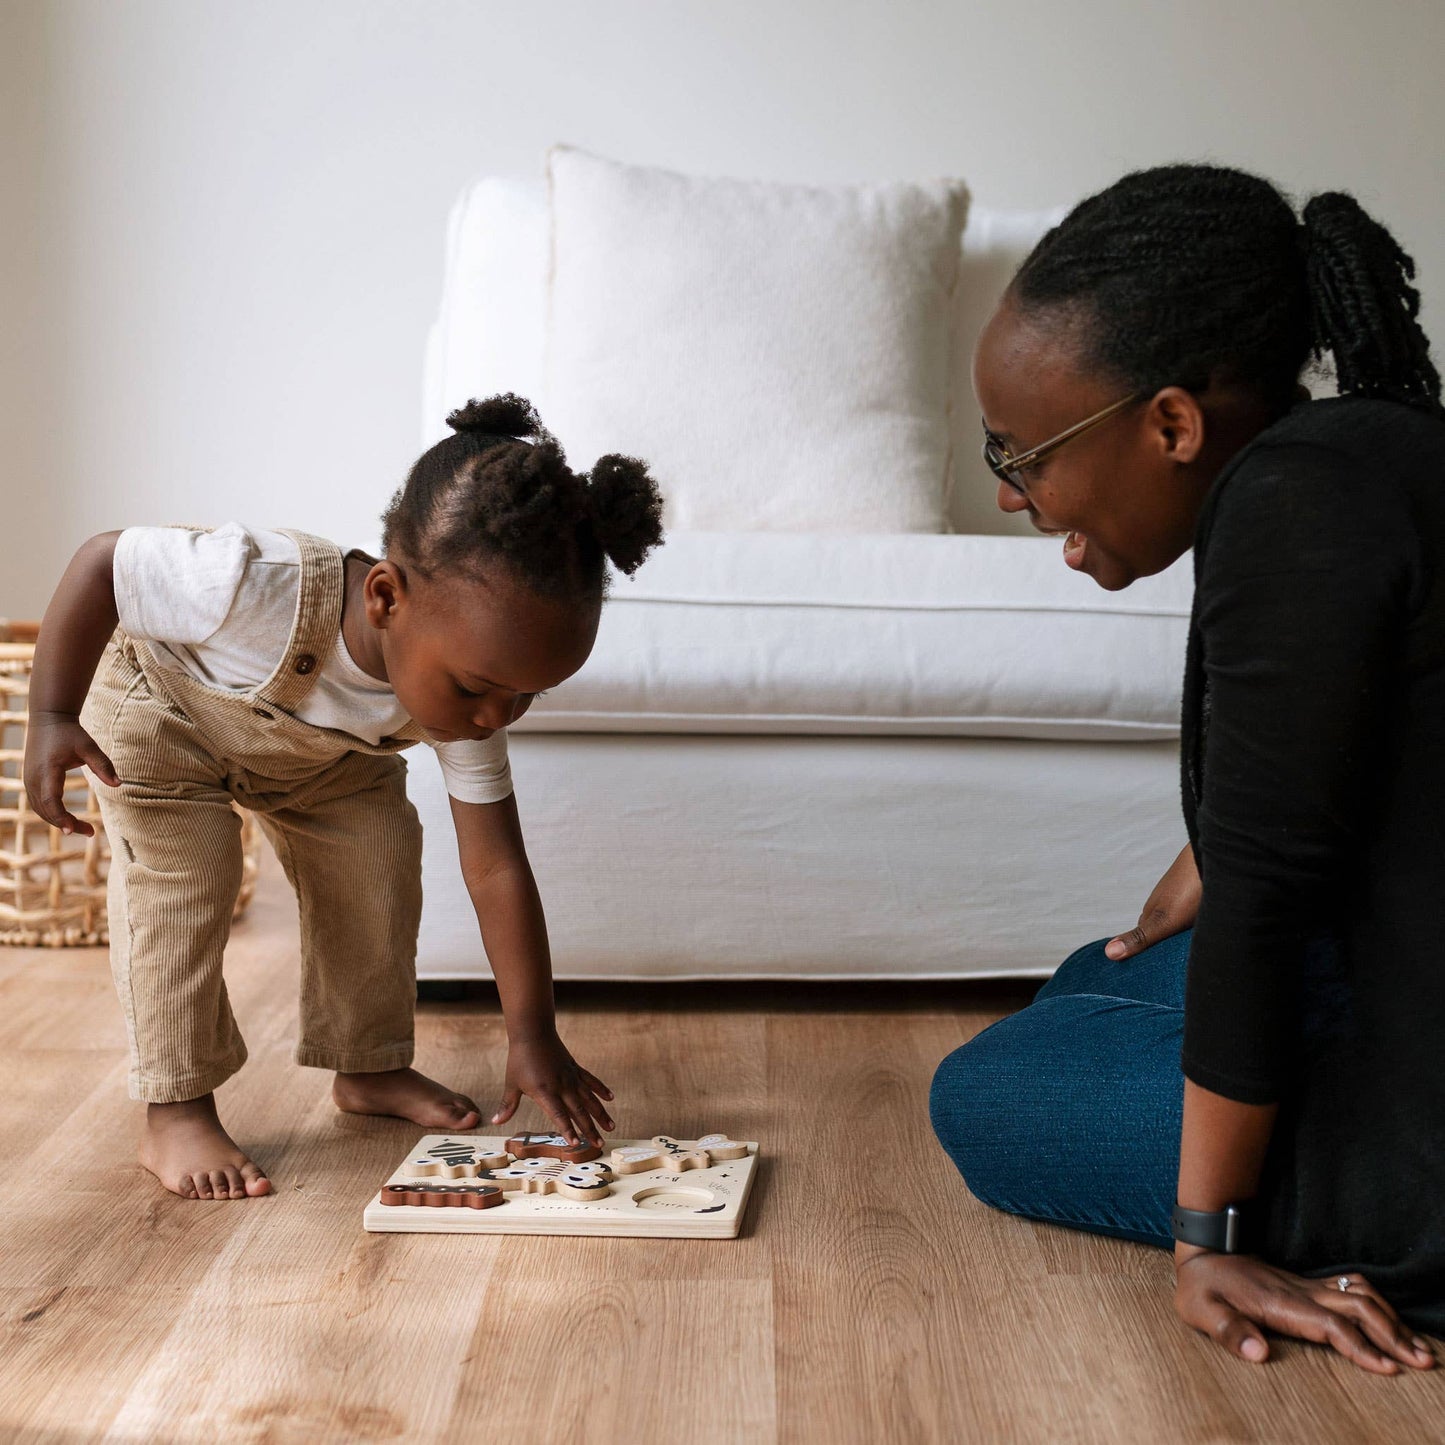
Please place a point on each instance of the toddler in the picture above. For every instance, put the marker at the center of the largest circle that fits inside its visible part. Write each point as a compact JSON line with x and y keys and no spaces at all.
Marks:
{"x":269,"y":669}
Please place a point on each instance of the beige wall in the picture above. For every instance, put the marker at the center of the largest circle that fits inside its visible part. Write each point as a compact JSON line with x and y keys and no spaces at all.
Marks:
{"x":223,"y":223}
{"x":29,"y":522}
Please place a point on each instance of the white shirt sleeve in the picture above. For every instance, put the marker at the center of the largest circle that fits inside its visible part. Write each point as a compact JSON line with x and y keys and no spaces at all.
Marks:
{"x":477,"y":772}
{"x":175,"y":585}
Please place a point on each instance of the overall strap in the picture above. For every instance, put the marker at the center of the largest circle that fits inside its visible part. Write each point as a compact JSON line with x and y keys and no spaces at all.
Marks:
{"x":315,"y":625}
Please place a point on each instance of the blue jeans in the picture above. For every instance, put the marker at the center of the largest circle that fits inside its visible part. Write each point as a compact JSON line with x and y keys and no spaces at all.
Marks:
{"x":1070,"y":1110}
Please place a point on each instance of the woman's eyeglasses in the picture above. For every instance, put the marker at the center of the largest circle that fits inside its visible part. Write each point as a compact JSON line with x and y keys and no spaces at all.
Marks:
{"x":1009,"y":469}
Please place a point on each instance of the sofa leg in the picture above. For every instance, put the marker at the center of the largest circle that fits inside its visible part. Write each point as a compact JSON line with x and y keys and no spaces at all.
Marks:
{"x":441,"y":990}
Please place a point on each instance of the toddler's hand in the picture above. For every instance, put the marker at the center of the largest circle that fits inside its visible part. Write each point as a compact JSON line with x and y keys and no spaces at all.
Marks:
{"x":55,"y":742}
{"x":569,"y":1096}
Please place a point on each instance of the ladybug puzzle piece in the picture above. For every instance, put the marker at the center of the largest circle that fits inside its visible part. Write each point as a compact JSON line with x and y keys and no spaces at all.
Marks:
{"x":675,"y":1155}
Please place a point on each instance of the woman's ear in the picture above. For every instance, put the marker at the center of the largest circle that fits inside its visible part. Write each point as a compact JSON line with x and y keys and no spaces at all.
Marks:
{"x":1177,"y":422}
{"x":384,"y":591}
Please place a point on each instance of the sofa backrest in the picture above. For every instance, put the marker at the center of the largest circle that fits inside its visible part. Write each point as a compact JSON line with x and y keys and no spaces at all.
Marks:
{"x":490,"y":328}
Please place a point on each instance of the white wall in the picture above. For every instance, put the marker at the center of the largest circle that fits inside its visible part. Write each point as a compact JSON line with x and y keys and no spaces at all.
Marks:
{"x":223,"y":223}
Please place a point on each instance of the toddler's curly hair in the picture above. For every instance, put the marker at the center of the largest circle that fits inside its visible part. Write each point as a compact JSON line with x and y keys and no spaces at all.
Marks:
{"x":500,"y":491}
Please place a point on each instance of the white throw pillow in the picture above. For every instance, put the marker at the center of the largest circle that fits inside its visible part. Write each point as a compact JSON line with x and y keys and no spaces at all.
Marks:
{"x":779,"y":354}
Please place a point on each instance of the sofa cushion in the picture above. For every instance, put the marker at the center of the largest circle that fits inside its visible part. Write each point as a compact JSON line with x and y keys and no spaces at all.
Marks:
{"x":910,"y":634}
{"x":779,"y":354}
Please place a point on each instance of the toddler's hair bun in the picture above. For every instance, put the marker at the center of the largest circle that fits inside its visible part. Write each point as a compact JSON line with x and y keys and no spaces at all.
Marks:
{"x":626,"y":508}
{"x":507,"y":415}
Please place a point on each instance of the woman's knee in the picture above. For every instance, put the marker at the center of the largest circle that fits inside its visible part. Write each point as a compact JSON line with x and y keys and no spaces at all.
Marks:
{"x":977,"y":1109}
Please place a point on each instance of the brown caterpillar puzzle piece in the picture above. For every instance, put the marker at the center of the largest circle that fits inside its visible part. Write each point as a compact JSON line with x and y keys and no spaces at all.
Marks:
{"x":456,"y":1196}
{"x":665,"y":1152}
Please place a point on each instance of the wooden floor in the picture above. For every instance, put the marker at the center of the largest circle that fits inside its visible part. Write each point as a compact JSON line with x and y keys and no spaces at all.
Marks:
{"x":849,"y":1311}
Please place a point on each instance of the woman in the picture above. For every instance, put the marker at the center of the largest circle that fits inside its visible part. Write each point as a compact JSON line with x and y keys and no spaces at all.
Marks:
{"x":1280,"y":1118}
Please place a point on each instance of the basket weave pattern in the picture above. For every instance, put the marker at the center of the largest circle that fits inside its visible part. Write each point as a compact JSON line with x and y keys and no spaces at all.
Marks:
{"x":52,"y":886}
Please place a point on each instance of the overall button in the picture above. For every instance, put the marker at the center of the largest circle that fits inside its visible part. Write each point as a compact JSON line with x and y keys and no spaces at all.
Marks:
{"x":305,"y":663}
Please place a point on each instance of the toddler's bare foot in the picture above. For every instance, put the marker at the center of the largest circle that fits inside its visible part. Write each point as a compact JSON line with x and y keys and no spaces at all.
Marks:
{"x":407,"y":1095}
{"x":185,"y":1147}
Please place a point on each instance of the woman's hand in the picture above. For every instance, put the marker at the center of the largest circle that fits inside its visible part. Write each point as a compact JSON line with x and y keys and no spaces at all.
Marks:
{"x":55,"y":742}
{"x":1172,"y":907}
{"x":1230,"y":1296}
{"x":541,"y":1068}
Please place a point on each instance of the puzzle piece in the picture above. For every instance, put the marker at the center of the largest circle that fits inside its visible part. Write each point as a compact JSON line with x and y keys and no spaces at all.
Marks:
{"x":454,"y":1159}
{"x":665,"y":1152}
{"x":551,"y":1146}
{"x":444,"y":1196}
{"x":584,"y":1180}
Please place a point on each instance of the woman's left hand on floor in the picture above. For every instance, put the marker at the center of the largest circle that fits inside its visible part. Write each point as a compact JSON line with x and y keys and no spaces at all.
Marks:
{"x":1235,"y":1297}
{"x":571,"y":1097}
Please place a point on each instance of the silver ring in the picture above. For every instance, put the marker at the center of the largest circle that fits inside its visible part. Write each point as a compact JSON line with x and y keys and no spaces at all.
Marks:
{"x":1343,"y":1283}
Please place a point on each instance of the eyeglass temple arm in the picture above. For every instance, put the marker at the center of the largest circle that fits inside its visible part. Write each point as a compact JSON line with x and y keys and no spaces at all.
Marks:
{"x":1028,"y":458}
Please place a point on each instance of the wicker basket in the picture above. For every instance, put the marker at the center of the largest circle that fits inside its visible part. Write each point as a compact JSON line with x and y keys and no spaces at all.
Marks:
{"x":52,"y":887}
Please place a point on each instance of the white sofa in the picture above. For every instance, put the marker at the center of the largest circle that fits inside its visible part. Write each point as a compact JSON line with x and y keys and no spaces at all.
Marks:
{"x":791,"y":756}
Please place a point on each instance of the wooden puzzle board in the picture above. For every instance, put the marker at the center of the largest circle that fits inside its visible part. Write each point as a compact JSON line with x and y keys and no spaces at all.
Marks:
{"x":702,"y":1203}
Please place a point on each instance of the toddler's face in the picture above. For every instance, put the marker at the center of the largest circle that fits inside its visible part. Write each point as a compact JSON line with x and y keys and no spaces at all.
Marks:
{"x":467,"y":658}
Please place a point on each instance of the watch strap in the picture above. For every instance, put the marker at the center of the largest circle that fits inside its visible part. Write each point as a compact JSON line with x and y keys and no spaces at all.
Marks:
{"x":1226,"y":1231}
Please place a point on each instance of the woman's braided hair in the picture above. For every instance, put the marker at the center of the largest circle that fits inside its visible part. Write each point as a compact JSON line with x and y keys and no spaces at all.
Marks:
{"x":500,"y":492}
{"x":1187,"y":272}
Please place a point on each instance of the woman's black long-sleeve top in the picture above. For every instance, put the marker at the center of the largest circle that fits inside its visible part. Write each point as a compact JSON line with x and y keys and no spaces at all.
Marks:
{"x":1314,"y":793}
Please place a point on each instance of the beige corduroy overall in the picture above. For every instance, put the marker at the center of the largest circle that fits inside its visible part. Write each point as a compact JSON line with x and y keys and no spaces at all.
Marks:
{"x":334,"y":808}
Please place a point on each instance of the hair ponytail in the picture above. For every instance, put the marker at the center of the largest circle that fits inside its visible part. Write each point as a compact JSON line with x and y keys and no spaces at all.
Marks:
{"x":1363,"y":308}
{"x":500,"y":492}
{"x":499,"y":418}
{"x":626,"y":510}
{"x":1184,"y":274}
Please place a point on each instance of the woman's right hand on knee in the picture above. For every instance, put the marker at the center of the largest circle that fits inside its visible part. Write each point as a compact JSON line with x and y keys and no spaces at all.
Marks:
{"x":1172,"y":907}
{"x":55,"y":743}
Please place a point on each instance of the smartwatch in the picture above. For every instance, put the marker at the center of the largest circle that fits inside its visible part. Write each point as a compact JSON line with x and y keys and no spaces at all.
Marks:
{"x":1226,"y":1231}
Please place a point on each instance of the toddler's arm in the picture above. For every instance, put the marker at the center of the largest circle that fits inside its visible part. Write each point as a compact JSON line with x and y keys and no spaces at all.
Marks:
{"x":509,"y":909}
{"x":77,"y":625}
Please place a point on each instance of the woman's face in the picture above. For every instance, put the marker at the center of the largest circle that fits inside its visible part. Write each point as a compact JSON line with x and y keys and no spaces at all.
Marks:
{"x":1125,"y":494}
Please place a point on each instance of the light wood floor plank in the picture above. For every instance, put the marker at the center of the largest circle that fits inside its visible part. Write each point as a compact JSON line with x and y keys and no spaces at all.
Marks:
{"x":631,"y":1358}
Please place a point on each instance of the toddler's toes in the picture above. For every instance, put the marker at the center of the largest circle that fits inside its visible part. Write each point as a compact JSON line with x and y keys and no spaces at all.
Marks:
{"x":186,"y":1148}
{"x":254,"y":1182}
{"x":464,"y":1113}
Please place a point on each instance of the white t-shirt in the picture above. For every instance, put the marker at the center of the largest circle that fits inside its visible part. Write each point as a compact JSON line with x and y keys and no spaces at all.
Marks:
{"x":219,"y":605}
